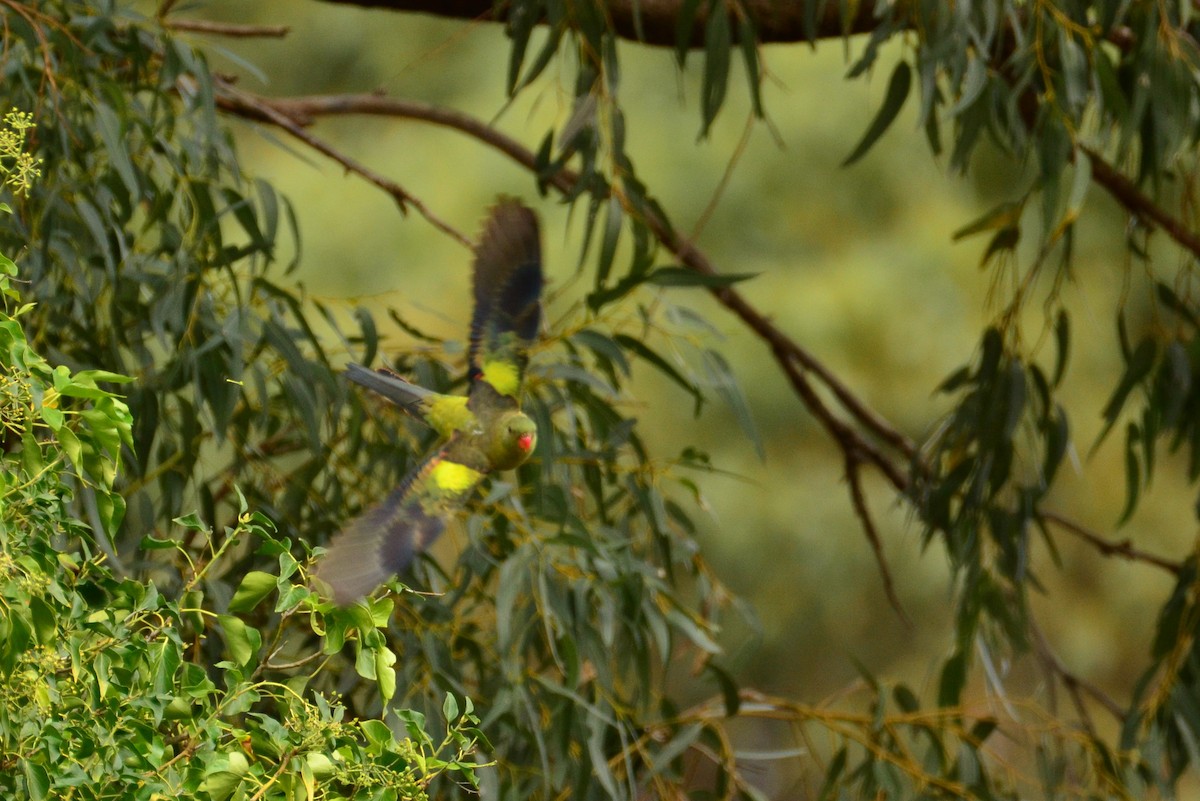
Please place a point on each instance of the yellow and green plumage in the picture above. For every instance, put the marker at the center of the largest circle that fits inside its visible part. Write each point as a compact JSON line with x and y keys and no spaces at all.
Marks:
{"x":485,"y":430}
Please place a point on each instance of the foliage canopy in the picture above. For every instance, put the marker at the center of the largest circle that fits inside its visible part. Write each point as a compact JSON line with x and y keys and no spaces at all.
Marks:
{"x":178,"y":652}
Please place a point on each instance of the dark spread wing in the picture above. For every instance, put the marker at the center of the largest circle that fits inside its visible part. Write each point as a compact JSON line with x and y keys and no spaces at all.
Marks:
{"x":508,"y":288}
{"x":382,"y":541}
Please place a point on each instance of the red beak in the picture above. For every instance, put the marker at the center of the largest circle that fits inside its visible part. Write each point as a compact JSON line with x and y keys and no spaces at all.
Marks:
{"x":525,"y":441}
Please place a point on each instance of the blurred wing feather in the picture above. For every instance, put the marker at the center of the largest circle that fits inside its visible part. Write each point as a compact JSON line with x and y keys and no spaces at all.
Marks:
{"x":383,"y":541}
{"x":508,"y":288}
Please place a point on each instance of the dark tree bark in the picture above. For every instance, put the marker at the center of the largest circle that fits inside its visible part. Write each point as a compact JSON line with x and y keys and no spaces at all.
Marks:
{"x":775,"y":20}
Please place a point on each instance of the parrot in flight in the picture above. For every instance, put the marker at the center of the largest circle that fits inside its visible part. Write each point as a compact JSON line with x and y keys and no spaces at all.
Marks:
{"x":484,"y":431}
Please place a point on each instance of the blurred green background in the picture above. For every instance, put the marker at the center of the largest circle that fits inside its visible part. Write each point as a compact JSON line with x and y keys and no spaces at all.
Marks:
{"x":857,"y":264}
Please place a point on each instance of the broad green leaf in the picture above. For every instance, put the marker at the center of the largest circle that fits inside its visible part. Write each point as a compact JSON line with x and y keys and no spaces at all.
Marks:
{"x":385,"y":674}
{"x":255,"y":586}
{"x":241,"y":641}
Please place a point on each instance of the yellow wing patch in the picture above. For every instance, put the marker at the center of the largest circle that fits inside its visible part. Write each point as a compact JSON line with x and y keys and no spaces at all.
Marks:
{"x":450,"y":414}
{"x":503,"y":376}
{"x":454,"y":478}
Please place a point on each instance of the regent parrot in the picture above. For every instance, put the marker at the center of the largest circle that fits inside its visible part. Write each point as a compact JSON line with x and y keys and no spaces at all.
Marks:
{"x":485,"y":430}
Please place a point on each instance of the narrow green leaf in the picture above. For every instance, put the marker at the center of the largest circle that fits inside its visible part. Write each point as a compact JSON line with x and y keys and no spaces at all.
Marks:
{"x":1133,"y":474}
{"x":108,"y":123}
{"x":1005,"y":215}
{"x":682,"y":740}
{"x":717,"y":46}
{"x":973,"y":84}
{"x":905,"y":698}
{"x":725,"y":383}
{"x":684,"y":277}
{"x":1080,"y":182}
{"x":953,"y":679}
{"x":685,"y":23}
{"x":1014,"y":403}
{"x":729,"y":688}
{"x":748,"y":41}
{"x":608,"y":244}
{"x":833,"y":775}
{"x":897,"y":93}
{"x":640,"y":349}
{"x":1062,"y":338}
{"x":1172,"y":301}
{"x":1141,"y":361}
{"x":521,"y":22}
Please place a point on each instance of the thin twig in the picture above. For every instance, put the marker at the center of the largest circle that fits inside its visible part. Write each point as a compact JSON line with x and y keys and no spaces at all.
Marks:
{"x":1075,"y":686}
{"x":1123,"y":548}
{"x":294,"y":664}
{"x":858,"y":498}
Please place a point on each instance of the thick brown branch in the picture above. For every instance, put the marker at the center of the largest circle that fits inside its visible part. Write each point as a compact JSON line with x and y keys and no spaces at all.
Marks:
{"x":1137,"y":202}
{"x":654,"y":22}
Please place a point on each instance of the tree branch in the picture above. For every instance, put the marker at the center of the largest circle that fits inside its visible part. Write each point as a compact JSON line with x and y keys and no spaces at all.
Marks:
{"x":654,"y":22}
{"x":1128,"y":195}
{"x":1123,"y":549}
{"x":859,"y":499}
{"x":251,"y":106}
{"x":797,"y":363}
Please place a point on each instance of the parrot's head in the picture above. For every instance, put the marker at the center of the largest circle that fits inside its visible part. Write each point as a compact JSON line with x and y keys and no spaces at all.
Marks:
{"x":517,"y":439}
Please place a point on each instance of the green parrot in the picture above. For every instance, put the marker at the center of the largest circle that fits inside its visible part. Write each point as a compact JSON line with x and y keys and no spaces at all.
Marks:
{"x":484,"y":430}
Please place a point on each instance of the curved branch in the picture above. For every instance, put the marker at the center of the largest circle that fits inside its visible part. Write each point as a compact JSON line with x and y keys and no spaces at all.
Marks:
{"x":252,"y":106}
{"x":797,"y":363}
{"x":655,"y":22}
{"x":1137,"y":202}
{"x":303,"y":110}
